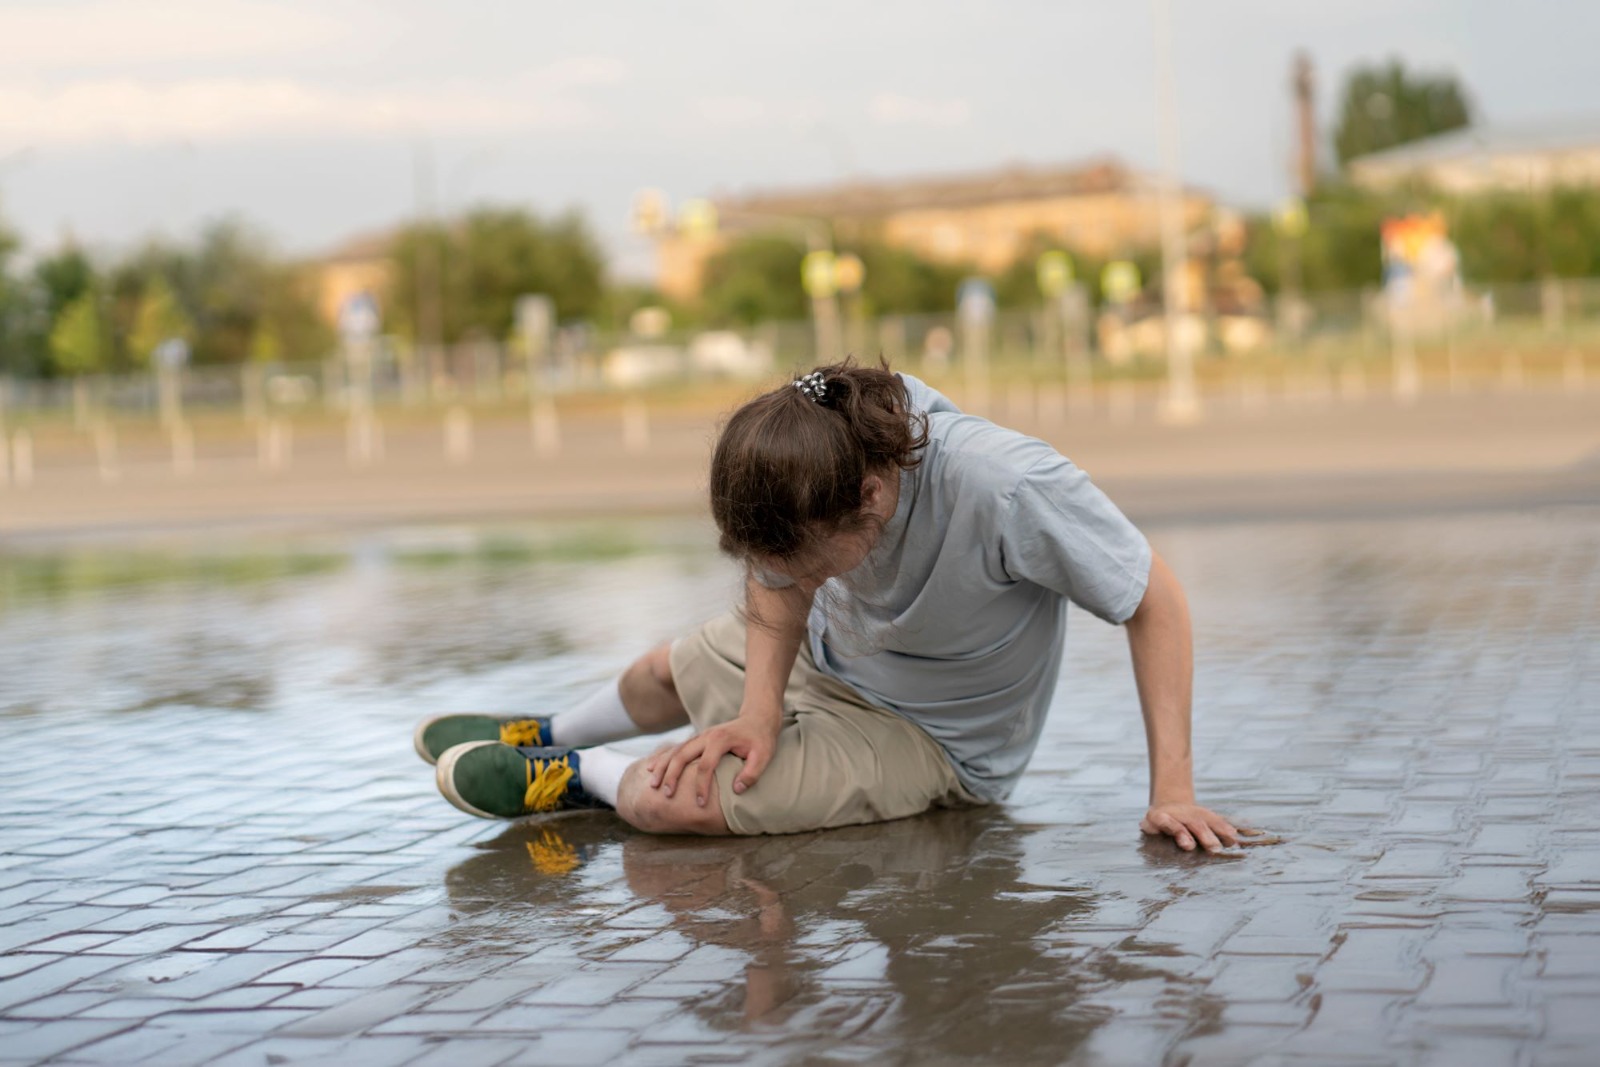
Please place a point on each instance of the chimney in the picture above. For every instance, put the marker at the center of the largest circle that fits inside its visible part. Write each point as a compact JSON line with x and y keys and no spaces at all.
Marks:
{"x":1305,"y":113}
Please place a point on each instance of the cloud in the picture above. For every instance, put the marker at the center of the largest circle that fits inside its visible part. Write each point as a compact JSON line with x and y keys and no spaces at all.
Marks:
{"x":892,"y":109}
{"x":42,"y":38}
{"x":134,"y":111}
{"x":745,"y":111}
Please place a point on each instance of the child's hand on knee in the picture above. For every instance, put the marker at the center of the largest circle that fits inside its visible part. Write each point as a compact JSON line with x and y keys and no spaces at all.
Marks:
{"x":750,"y":737}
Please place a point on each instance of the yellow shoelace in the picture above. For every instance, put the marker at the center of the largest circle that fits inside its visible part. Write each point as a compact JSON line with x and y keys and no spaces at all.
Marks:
{"x":520,"y":733}
{"x":552,"y":853}
{"x":547,"y":784}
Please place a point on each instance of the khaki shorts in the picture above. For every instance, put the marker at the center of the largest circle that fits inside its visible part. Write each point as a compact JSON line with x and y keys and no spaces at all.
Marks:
{"x":839,"y":759}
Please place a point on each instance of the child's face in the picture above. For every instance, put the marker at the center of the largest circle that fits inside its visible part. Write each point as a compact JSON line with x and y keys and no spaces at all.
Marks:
{"x":841,"y":552}
{"x":836,"y":555}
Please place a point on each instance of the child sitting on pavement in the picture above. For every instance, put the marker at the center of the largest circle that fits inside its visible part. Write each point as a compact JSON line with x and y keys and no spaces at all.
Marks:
{"x":908,"y":571}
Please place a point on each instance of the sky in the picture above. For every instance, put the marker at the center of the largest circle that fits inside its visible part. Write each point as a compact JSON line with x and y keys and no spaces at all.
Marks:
{"x":122,"y":120}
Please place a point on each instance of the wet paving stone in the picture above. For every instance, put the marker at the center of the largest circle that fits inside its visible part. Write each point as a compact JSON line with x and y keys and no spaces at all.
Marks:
{"x":219,"y":847}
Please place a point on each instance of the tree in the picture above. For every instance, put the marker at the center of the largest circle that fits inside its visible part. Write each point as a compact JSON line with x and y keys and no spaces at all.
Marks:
{"x":160,"y":318}
{"x":755,"y":279}
{"x":228,"y":285}
{"x":477,"y":267}
{"x":13,"y":308}
{"x":1385,"y":106}
{"x":78,"y":338}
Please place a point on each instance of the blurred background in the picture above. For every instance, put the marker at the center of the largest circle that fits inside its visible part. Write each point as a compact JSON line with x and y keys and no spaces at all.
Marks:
{"x":361,"y":361}
{"x":320,"y":260}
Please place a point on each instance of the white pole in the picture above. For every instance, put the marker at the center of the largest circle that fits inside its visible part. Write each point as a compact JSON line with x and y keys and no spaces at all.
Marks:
{"x":1182,"y":402}
{"x":458,"y":435}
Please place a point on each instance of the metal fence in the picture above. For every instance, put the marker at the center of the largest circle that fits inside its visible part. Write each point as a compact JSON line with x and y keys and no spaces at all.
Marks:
{"x":1539,"y":325}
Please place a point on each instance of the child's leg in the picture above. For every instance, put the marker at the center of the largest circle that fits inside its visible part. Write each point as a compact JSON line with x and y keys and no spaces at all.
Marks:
{"x":618,"y":778}
{"x":642,"y":701}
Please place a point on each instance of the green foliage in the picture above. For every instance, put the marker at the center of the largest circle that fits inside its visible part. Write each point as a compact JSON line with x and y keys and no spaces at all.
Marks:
{"x":230,"y":285}
{"x":1018,"y":285}
{"x":755,"y":279}
{"x":1501,"y":237}
{"x":1384,"y":106}
{"x":476,"y":268}
{"x":900,"y":282}
{"x":266,"y":345}
{"x":78,"y":339}
{"x":159,"y":319}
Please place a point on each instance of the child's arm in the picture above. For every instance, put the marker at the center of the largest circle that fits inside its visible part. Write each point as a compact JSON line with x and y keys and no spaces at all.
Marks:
{"x":773,"y":632}
{"x":1163,"y":667}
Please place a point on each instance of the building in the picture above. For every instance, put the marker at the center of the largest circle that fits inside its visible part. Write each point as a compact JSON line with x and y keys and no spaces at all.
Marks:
{"x":987,"y":219}
{"x":1480,"y":159}
{"x":360,"y":265}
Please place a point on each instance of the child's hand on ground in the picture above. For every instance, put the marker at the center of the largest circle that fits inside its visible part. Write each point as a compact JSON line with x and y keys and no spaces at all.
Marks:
{"x":750,"y":737}
{"x":1190,"y":823}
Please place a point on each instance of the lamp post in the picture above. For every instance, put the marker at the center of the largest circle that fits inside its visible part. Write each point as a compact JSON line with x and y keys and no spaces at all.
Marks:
{"x":1182,"y":402}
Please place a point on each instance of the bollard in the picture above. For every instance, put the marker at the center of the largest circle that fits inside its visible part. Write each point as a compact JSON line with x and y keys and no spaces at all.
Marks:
{"x":1572,"y":372}
{"x":182,"y":449}
{"x":635,"y":426}
{"x":546,"y":428}
{"x":105,"y":450}
{"x":1407,"y":381}
{"x":364,"y":440}
{"x":275,"y":444}
{"x":22,"y":459}
{"x":458,"y":435}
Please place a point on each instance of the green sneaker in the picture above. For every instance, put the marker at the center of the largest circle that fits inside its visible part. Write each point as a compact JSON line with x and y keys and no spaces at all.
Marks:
{"x":495,"y":781}
{"x":438,"y":735}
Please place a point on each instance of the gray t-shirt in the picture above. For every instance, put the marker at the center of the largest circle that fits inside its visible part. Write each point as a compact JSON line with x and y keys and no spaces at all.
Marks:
{"x":957,"y":618}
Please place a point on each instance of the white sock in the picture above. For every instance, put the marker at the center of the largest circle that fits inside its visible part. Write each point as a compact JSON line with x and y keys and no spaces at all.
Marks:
{"x":600,"y":771}
{"x":594,"y":721}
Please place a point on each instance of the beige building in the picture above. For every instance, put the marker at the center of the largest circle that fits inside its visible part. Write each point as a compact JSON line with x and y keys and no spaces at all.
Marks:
{"x":1481,"y":159}
{"x":986,"y":219}
{"x":360,"y":265}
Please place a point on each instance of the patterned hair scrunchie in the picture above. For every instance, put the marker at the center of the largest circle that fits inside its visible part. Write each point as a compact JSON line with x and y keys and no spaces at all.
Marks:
{"x":813,"y":386}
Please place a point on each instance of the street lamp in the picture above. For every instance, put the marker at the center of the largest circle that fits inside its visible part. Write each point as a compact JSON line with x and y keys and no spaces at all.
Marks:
{"x":1182,"y":403}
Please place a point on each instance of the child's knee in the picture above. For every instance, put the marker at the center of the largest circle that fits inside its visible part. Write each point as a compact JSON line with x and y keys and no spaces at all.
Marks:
{"x":652,"y":811}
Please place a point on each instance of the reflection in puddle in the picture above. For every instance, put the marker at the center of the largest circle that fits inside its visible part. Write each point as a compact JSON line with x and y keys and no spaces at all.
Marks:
{"x":919,"y":936}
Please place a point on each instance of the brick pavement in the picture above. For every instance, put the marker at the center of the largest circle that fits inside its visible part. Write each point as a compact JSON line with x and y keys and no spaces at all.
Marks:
{"x":218,"y":847}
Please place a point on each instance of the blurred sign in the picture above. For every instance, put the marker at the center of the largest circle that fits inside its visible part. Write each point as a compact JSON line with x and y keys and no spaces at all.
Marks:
{"x":1421,"y":269}
{"x":358,"y":317}
{"x":172,"y":353}
{"x":849,"y":273}
{"x":1054,"y":271}
{"x":1120,"y":281}
{"x":975,"y":302}
{"x":536,"y":317}
{"x":818,"y":276}
{"x":1290,"y":218}
{"x":698,"y":218}
{"x":650,"y":322}
{"x":650,"y":212}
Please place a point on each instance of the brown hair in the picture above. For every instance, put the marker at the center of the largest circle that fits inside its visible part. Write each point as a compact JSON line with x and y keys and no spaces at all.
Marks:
{"x":787,"y":470}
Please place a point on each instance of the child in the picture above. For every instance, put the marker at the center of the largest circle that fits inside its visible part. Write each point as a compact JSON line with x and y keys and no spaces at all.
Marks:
{"x":908,"y":573}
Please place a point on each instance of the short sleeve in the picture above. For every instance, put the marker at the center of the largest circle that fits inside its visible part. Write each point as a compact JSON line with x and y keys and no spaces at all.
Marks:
{"x":926,"y":398}
{"x":1063,"y":533}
